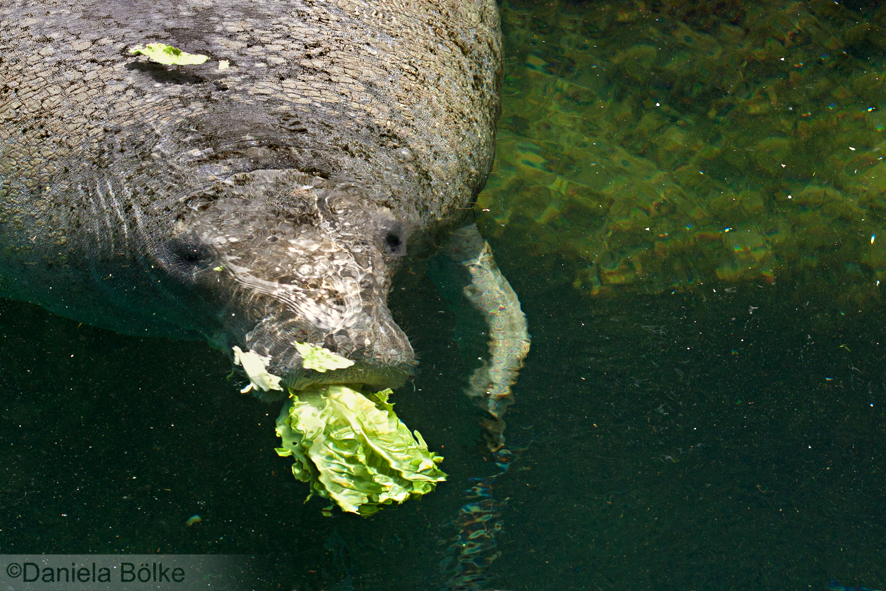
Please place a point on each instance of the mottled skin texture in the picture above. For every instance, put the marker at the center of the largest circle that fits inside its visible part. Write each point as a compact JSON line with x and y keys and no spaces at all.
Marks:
{"x":252,"y":205}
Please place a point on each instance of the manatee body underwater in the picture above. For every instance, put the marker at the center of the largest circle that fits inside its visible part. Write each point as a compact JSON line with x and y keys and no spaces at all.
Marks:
{"x":265,"y":197}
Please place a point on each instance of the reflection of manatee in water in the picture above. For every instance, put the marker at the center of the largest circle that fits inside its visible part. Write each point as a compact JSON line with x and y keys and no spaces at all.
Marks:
{"x":258,"y":204}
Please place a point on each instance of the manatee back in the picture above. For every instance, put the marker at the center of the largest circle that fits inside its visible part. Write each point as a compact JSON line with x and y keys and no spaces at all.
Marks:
{"x":101,"y":152}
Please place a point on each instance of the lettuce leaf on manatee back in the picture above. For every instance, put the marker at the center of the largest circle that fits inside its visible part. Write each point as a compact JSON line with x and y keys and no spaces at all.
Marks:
{"x":168,"y":55}
{"x":353,"y":450}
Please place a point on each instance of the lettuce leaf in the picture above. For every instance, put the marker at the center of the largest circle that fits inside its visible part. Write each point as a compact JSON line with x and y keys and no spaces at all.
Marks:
{"x":353,"y":450}
{"x":320,"y":359}
{"x":168,"y":55}
{"x":256,"y":367}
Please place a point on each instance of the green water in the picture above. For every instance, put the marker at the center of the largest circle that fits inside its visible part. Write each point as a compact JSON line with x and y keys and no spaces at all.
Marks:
{"x":698,"y":411}
{"x":727,"y":440}
{"x":661,"y":145}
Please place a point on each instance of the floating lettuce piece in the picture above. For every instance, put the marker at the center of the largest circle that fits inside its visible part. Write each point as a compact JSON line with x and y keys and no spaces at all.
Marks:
{"x":352,"y":449}
{"x":168,"y":55}
{"x":321,"y":359}
{"x":256,"y":367}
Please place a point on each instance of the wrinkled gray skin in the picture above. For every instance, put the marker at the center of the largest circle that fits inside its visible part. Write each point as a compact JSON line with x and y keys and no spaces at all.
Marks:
{"x":254,"y":205}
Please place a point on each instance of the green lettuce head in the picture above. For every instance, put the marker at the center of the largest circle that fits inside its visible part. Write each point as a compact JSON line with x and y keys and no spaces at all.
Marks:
{"x":352,"y":449}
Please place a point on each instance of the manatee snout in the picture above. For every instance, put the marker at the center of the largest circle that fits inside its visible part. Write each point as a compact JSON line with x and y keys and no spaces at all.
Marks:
{"x":288,"y":259}
{"x":382,"y":354}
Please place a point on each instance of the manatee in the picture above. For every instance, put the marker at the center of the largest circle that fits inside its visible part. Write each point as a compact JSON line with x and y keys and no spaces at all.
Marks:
{"x":265,"y":196}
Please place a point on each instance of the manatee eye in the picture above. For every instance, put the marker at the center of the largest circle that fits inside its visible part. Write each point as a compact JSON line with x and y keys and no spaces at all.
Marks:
{"x":394,"y":242}
{"x":186,"y":257}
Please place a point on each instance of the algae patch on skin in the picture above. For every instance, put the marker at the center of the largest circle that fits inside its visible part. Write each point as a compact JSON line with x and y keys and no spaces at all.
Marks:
{"x":168,"y":55}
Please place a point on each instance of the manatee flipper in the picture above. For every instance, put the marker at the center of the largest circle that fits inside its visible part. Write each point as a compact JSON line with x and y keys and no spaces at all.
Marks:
{"x":489,"y":292}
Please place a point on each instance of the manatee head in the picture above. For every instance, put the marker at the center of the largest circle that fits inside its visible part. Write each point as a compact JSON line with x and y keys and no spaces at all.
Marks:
{"x":284,"y":257}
